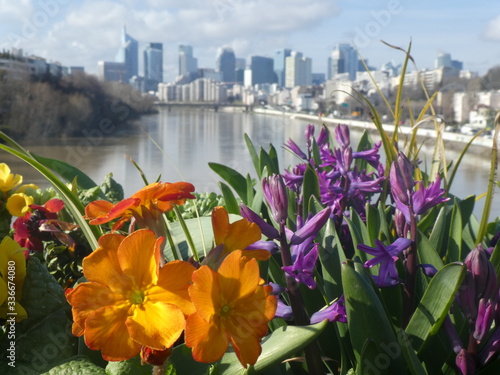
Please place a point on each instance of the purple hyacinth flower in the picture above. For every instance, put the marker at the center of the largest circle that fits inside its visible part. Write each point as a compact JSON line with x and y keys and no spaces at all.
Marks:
{"x":295,"y":149}
{"x":267,"y":229}
{"x":371,"y":156}
{"x":275,"y":193}
{"x":465,"y":363}
{"x":270,"y":246}
{"x":283,"y":311}
{"x":485,"y":315}
{"x":311,"y":227}
{"x":425,"y":198}
{"x":303,"y":267}
{"x":309,"y":135}
{"x":323,"y":136}
{"x":491,"y":348}
{"x":334,"y":313}
{"x":428,"y":269}
{"x":387,"y":257}
{"x":342,"y":136}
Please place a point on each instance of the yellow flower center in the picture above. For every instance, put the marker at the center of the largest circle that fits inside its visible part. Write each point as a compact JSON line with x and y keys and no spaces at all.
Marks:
{"x":137,"y":297}
{"x":225,"y":311}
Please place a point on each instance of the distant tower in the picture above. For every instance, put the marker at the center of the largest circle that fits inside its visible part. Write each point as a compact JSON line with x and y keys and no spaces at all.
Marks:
{"x":298,"y":70}
{"x":153,"y":66}
{"x":188,"y":64}
{"x":262,"y":70}
{"x":343,"y":59}
{"x":226,"y":64}
{"x":129,"y":55}
{"x":279,"y":65}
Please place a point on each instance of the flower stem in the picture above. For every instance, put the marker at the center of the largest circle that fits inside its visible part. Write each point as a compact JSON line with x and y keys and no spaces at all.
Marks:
{"x":411,"y":271}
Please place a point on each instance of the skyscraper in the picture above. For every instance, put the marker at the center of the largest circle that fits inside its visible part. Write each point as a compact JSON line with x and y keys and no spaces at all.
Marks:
{"x":262,"y":70}
{"x":226,"y":64}
{"x":188,"y":64}
{"x":279,"y":65}
{"x":129,"y":55}
{"x":298,"y":70}
{"x":153,"y":66}
{"x":343,"y":59}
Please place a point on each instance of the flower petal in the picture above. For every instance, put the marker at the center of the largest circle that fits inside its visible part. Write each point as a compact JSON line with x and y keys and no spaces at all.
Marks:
{"x":205,"y":292}
{"x":139,"y":255}
{"x":173,"y":282}
{"x":208,"y":343}
{"x":105,"y":330}
{"x":238,"y":276}
{"x":156,"y":325}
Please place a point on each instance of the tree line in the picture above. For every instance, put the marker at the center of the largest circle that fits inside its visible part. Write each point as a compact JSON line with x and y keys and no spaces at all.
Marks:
{"x":50,"y":106}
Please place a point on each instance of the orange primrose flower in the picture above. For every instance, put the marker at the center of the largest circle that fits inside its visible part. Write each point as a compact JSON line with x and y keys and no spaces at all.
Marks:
{"x":128,"y":301}
{"x":236,"y":236}
{"x":156,"y":198}
{"x":232,"y":305}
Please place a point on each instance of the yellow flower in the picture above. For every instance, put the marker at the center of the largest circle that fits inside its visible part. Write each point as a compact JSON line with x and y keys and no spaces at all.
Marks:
{"x":232,"y":306}
{"x":18,"y":204}
{"x":12,"y":275}
{"x":8,"y":181}
{"x":129,"y":301}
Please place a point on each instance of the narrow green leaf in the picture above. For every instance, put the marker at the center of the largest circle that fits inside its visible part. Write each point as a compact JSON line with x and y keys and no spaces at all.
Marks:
{"x":283,"y":343}
{"x":66,"y":171}
{"x":233,"y":178}
{"x":368,"y":321}
{"x":273,"y":156}
{"x":253,"y":155}
{"x":435,"y":304}
{"x":454,"y":253}
{"x":438,"y":230}
{"x":412,"y":361}
{"x":230,"y":200}
{"x":310,"y":188}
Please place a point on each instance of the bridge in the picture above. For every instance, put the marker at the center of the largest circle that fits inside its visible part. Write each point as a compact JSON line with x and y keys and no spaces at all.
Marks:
{"x":204,"y":105}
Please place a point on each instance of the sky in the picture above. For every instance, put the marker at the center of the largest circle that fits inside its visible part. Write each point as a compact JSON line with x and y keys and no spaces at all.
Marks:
{"x":82,"y":32}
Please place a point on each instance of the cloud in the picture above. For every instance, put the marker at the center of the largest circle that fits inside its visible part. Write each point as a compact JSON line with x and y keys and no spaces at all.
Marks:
{"x":492,"y":30}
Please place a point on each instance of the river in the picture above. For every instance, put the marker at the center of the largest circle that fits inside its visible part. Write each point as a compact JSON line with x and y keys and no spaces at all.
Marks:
{"x":179,"y":144}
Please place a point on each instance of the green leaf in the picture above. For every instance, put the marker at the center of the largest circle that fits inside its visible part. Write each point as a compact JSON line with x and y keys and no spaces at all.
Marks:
{"x":234,"y":178}
{"x":368,"y":321}
{"x":131,"y":366}
{"x":412,"y":361}
{"x":454,"y":253}
{"x":435,"y":304}
{"x":201,"y":234}
{"x":230,"y":200}
{"x":66,"y":171}
{"x":44,"y":338}
{"x":253,"y":155}
{"x":310,"y":188}
{"x":80,"y":365}
{"x":111,"y":189}
{"x":283,"y":343}
{"x":438,"y":230}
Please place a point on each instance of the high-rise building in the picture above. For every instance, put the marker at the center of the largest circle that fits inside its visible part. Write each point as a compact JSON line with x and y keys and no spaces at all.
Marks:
{"x":111,"y":71}
{"x":226,"y":64}
{"x":153,"y":66}
{"x":262,"y":70}
{"x":188,"y":64}
{"x":343,"y":59}
{"x":279,"y":65}
{"x":128,"y":54}
{"x":298,"y":70}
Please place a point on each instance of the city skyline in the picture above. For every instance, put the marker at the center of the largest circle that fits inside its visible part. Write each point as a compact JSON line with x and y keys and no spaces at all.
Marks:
{"x":80,"y":33}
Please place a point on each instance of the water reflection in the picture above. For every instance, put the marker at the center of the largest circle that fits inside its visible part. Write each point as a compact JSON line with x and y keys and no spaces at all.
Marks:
{"x":179,"y":144}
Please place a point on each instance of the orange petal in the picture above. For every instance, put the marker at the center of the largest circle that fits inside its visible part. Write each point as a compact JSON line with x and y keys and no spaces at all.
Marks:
{"x":138,"y":256}
{"x":105,"y":330}
{"x":258,"y":254}
{"x":208,"y":341}
{"x":86,"y":298}
{"x":238,"y":276}
{"x":242,"y":233}
{"x":156,"y":325}
{"x":246,"y":347}
{"x":97,"y":209}
{"x":205,"y":292}
{"x":172,"y":287}
{"x":102,"y":265}
{"x":54,"y":205}
{"x":220,"y":224}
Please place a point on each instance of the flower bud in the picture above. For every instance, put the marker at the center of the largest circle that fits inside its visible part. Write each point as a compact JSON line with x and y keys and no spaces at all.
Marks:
{"x":483,"y":273}
{"x":342,"y":136}
{"x":155,"y":357}
{"x":275,"y":193}
{"x":485,"y":315}
{"x":465,"y":363}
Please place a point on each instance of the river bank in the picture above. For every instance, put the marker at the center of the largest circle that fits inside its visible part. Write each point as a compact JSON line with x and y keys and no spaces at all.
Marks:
{"x":452,"y":141}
